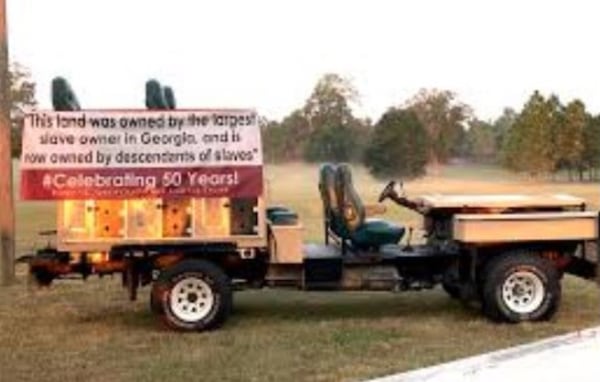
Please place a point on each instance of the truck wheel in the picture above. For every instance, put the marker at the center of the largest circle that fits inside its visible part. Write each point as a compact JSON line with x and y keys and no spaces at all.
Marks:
{"x":451,"y":281}
{"x":520,"y":287}
{"x":155,"y":302}
{"x":192,"y":295}
{"x":453,"y":290}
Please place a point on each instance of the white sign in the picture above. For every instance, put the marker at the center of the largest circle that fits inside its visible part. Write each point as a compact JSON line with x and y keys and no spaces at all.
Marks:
{"x":120,"y":154}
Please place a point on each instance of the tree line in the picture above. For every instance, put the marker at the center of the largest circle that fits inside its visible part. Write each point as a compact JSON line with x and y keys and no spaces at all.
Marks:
{"x":433,"y":127}
{"x":548,"y":137}
{"x":428,"y":130}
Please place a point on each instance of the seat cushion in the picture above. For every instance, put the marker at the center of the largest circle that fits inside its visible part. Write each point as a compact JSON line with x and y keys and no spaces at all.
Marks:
{"x":376,"y":232}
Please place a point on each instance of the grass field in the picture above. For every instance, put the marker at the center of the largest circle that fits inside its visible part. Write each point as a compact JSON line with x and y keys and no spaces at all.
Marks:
{"x":77,"y":331}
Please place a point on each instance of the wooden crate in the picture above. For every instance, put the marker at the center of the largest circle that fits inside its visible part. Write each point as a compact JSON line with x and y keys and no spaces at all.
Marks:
{"x":549,"y":226}
{"x":98,"y":225}
{"x":285,"y":244}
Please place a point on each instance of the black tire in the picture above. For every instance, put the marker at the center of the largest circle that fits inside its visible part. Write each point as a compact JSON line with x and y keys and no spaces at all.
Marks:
{"x":520,"y":286}
{"x":192,"y":295}
{"x":453,"y":290}
{"x":451,"y":283}
{"x":155,"y":303}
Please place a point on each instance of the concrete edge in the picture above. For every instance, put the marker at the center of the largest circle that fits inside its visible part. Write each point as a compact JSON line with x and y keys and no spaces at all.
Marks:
{"x":473,"y":365}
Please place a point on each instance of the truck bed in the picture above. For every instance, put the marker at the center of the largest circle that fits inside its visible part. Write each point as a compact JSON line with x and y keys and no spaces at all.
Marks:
{"x":501,"y":201}
{"x":532,"y":226}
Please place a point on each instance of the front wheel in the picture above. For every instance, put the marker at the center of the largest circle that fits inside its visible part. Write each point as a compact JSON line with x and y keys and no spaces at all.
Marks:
{"x":192,"y":295}
{"x":520,"y":287}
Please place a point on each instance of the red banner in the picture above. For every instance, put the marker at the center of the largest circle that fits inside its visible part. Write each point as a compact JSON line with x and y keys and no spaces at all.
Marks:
{"x":131,"y":183}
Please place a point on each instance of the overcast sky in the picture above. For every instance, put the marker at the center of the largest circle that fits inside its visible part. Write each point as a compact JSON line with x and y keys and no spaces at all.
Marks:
{"x":269,"y":54}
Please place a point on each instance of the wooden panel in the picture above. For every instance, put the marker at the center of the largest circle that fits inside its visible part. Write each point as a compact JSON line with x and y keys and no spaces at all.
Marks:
{"x":109,"y":218}
{"x":498,"y":201}
{"x":143,"y":218}
{"x":286,"y":244}
{"x":75,"y":219}
{"x":95,"y":226}
{"x":243,"y":216}
{"x":211,"y":217}
{"x":489,"y":228}
{"x":176,"y":217}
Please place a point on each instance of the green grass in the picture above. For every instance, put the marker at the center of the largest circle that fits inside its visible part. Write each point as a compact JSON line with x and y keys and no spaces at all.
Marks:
{"x":89,"y":331}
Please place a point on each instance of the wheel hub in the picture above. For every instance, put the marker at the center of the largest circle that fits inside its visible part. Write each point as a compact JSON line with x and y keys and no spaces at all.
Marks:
{"x":191,"y":299}
{"x":523,"y":292}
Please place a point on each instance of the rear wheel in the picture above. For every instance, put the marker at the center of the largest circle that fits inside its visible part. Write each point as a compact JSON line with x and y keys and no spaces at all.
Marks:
{"x":192,"y":295}
{"x":155,"y":303}
{"x":452,"y":289}
{"x":519,"y":287}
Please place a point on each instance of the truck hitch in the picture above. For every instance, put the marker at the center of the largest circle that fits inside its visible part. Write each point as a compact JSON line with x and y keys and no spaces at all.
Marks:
{"x":49,"y":264}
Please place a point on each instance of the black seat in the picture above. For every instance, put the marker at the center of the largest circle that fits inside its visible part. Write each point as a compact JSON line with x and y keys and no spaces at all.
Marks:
{"x":63,"y":96}
{"x":329,"y":198}
{"x":345,"y":213}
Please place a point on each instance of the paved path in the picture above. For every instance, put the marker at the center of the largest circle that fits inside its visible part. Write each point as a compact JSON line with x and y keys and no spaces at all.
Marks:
{"x":572,"y":357}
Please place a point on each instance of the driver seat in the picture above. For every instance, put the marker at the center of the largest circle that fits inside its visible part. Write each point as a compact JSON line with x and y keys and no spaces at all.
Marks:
{"x":363,"y":233}
{"x":333,"y":222}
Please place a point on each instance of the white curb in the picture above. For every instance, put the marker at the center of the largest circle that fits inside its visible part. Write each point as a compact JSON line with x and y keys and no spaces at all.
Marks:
{"x":571,"y":357}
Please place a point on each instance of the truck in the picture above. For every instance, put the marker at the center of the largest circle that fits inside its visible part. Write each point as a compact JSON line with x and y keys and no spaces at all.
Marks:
{"x":194,"y":245}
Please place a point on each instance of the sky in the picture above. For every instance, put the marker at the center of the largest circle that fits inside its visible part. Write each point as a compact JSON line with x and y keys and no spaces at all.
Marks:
{"x":268,"y":55}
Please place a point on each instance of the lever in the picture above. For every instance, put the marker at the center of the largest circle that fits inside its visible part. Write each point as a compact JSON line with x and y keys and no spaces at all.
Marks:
{"x":408,"y":247}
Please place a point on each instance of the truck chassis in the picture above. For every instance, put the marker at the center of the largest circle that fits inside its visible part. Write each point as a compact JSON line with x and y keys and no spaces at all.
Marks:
{"x":500,"y":251}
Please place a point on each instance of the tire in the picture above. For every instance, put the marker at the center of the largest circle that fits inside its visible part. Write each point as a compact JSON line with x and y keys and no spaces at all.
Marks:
{"x":520,"y":286}
{"x":155,"y":302}
{"x":451,"y":283}
{"x":192,"y":295}
{"x":453,"y":290}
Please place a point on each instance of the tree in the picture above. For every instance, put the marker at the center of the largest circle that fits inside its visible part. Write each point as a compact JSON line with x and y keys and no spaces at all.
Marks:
{"x":333,"y":130}
{"x":324,"y":129}
{"x":570,"y":138}
{"x":286,"y":140}
{"x":502,"y":125}
{"x":481,"y":141}
{"x":398,"y":145}
{"x":529,"y":144}
{"x":558,"y":134}
{"x":443,"y":117}
{"x":590,"y":158}
{"x":269,"y":131}
{"x":485,"y":141}
{"x":548,"y":136}
{"x":273,"y":138}
{"x":22,"y":97}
